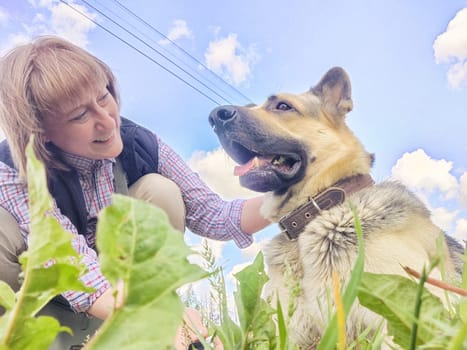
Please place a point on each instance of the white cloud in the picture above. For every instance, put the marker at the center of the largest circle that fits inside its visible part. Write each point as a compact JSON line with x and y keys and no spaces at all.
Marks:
{"x":457,"y":74}
{"x":452,"y":44}
{"x":179,"y":30}
{"x":54,"y":18}
{"x":420,"y":172}
{"x":432,"y":180}
{"x":42,"y":3}
{"x":4,"y":16}
{"x":253,"y":250}
{"x":463,"y":189}
{"x":443,"y":218}
{"x":70,"y":24}
{"x":216,"y":169}
{"x":461,"y":230}
{"x":236,"y":269}
{"x":14,"y":40}
{"x":229,"y":59}
{"x":215,"y":247}
{"x":451,"y":47}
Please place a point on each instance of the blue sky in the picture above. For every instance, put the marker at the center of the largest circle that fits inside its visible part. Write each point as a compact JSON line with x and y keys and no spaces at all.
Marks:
{"x":407,"y":61}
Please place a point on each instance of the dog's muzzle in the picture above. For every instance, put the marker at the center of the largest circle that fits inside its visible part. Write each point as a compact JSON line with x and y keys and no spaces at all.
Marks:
{"x":221,"y":116}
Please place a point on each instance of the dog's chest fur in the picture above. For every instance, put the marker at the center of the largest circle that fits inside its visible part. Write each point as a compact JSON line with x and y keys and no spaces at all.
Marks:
{"x":329,"y":244}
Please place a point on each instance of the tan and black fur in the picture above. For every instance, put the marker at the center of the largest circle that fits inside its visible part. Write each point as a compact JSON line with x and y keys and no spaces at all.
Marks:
{"x":294,"y":147}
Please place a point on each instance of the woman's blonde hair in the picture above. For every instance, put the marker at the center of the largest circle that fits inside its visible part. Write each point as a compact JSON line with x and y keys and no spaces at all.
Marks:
{"x":45,"y":76}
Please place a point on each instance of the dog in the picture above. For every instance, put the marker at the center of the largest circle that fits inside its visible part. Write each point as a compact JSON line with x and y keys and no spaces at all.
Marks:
{"x":298,"y":149}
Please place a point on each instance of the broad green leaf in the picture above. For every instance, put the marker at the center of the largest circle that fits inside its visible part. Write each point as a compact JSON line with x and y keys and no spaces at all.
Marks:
{"x":394,"y":298}
{"x":463,"y":309}
{"x":41,"y":332}
{"x":253,"y":311}
{"x":7,"y":296}
{"x":48,"y":242}
{"x":459,"y":341}
{"x":138,"y":246}
{"x":229,"y":333}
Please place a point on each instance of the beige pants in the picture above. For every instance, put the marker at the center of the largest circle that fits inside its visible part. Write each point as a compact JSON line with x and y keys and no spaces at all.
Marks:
{"x":152,"y":188}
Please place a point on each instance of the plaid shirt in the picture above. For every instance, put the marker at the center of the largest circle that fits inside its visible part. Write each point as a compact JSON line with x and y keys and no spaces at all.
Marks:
{"x":206,"y":213}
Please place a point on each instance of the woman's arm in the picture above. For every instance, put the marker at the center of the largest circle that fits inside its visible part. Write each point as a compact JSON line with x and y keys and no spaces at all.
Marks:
{"x":252,"y":220}
{"x":206,"y":213}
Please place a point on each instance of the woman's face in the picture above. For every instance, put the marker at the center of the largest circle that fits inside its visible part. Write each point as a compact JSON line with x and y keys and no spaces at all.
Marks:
{"x":90,"y":128}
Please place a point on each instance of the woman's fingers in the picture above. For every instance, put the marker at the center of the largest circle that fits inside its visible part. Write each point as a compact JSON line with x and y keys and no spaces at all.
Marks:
{"x":191,"y":327}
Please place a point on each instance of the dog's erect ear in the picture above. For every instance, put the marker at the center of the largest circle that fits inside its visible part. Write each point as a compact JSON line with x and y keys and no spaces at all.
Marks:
{"x":335,"y":92}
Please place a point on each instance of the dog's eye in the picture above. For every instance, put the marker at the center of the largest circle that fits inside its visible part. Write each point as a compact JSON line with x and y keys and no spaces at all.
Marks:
{"x":282,"y":106}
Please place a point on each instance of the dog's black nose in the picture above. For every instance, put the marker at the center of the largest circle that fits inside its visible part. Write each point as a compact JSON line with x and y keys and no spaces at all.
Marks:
{"x":221,"y":116}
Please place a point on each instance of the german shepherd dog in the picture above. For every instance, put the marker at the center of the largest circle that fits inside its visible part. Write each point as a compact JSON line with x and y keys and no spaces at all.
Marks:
{"x":299,"y":150}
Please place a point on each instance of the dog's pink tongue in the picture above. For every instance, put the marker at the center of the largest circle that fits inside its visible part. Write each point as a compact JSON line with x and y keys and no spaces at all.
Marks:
{"x":253,"y":163}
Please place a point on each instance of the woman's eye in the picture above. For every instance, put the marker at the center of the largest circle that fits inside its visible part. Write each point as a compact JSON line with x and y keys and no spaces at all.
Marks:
{"x":80,"y":117}
{"x":103,"y":99}
{"x":282,"y":106}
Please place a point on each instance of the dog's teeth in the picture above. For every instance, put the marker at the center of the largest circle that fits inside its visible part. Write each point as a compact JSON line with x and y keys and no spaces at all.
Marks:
{"x":256,"y":162}
{"x":278,"y":160}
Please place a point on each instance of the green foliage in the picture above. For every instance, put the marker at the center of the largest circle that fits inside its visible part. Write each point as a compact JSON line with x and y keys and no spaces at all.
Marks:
{"x":19,"y":328}
{"x":138,"y":247}
{"x":394,"y":297}
{"x":256,"y":329}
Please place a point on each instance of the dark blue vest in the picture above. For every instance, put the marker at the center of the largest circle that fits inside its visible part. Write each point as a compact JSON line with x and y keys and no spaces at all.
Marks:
{"x":139,"y":157}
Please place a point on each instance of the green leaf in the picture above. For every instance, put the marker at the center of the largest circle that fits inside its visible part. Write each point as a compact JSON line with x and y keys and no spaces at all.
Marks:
{"x":41,"y":332}
{"x":229,"y":333}
{"x":459,"y":341}
{"x":138,"y":246}
{"x":47,"y":241}
{"x":254,"y":312}
{"x":463,"y":310}
{"x":7,"y":296}
{"x":281,"y":326}
{"x":394,"y":298}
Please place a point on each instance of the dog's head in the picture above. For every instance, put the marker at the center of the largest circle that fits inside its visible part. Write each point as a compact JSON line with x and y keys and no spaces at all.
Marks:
{"x":293,"y":141}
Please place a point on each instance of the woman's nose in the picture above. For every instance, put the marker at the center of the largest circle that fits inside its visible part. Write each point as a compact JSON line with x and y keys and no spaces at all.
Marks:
{"x":104,"y":119}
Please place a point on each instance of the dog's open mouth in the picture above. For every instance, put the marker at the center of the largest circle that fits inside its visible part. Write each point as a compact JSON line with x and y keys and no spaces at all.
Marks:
{"x":264,"y":172}
{"x":279,"y":163}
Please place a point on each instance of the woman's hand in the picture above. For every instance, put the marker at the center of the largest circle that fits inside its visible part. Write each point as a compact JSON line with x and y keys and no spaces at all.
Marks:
{"x":188,"y":332}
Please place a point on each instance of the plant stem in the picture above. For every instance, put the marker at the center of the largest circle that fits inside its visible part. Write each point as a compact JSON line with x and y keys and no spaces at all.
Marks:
{"x":437,"y":283}
{"x":418,"y":306}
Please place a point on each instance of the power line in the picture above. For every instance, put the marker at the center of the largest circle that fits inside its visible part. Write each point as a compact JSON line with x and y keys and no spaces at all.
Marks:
{"x":112,"y":13}
{"x":182,"y":49}
{"x":157,"y":51}
{"x":140,"y":52}
{"x":130,"y":14}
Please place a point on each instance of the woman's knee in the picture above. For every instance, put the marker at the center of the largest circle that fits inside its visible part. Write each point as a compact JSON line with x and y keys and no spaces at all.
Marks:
{"x":11,"y":246}
{"x":163,"y":193}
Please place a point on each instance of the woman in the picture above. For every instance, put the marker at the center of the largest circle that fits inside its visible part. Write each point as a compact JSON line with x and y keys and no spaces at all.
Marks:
{"x":69,"y":100}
